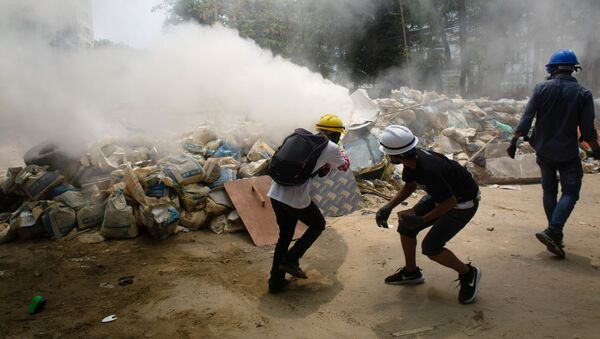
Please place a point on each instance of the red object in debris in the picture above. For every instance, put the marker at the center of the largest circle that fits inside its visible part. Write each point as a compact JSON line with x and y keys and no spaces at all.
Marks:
{"x":584,"y":144}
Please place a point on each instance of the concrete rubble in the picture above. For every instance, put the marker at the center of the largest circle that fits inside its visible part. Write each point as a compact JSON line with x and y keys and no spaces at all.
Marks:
{"x":475,"y":132}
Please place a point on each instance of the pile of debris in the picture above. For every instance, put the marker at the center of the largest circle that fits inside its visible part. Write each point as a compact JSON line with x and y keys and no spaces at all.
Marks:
{"x":119,"y":188}
{"x":122,"y":188}
{"x":473,"y":132}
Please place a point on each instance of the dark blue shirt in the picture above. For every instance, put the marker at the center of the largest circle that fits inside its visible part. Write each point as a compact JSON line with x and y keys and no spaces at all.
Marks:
{"x":560,"y":105}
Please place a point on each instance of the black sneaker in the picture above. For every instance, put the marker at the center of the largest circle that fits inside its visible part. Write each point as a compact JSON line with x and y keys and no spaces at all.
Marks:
{"x":294,"y":270}
{"x":552,"y":241}
{"x":278,"y":287}
{"x":469,"y":285}
{"x":404,"y":277}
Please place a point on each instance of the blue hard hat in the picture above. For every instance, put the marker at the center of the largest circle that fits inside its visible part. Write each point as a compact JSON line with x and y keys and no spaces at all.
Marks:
{"x":563,"y":57}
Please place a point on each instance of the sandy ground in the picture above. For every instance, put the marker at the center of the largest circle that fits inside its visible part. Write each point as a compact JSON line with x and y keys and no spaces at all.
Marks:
{"x":206,"y":285}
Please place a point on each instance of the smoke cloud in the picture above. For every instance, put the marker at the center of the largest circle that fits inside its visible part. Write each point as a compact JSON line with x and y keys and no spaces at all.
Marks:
{"x":508,"y":44}
{"x":191,"y":75}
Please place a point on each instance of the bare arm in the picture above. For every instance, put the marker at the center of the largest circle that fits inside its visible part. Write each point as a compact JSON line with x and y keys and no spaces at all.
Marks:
{"x":406,"y":191}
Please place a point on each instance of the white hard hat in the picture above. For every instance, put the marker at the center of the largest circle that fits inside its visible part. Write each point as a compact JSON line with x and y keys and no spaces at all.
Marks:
{"x":396,"y":140}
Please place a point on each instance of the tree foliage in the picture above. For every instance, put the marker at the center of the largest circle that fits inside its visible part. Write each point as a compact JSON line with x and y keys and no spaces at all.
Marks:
{"x":496,"y":45}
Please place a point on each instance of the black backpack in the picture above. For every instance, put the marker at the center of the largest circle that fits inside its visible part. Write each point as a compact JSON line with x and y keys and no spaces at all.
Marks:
{"x":294,"y":161}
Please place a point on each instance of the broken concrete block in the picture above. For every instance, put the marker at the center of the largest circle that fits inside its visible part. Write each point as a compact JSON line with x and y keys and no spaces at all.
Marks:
{"x":497,"y":150}
{"x":448,"y":145}
{"x":522,"y":169}
{"x":486,"y":137}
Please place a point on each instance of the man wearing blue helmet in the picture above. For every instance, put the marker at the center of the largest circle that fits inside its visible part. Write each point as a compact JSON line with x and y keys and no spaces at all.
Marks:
{"x":560,"y":106}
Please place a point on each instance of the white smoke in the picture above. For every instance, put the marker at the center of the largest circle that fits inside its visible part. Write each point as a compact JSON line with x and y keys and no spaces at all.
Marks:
{"x":189,"y":76}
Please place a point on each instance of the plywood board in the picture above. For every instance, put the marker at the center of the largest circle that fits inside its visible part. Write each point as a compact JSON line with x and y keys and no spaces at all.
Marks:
{"x":250,"y":199}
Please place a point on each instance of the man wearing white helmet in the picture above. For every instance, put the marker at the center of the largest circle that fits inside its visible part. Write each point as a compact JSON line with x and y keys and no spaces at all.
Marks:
{"x":451,"y":201}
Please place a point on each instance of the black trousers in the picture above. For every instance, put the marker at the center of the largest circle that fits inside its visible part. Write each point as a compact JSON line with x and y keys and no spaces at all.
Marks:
{"x":287,"y":218}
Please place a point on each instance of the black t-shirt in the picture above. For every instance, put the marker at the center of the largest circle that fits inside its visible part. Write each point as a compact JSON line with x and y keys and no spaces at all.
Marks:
{"x":441,"y":177}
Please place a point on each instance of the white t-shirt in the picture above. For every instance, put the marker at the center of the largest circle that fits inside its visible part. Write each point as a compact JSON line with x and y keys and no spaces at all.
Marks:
{"x":299,"y":196}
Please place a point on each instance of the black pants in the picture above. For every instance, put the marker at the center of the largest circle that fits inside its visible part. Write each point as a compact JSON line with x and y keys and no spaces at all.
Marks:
{"x":444,"y":228}
{"x":287,"y":218}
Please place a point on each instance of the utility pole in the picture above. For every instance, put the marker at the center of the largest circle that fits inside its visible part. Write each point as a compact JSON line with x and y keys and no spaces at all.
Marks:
{"x":216,"y":12}
{"x":406,"y":49}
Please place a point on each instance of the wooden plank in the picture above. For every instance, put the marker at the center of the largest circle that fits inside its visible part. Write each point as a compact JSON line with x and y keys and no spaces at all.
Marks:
{"x":249,"y":196}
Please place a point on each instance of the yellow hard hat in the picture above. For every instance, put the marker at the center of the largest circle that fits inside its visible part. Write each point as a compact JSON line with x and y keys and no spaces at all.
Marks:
{"x":331,"y":122}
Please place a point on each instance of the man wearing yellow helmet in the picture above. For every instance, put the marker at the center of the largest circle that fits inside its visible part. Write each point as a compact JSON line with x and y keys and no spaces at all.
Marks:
{"x":332,"y":126}
{"x":290,"y":197}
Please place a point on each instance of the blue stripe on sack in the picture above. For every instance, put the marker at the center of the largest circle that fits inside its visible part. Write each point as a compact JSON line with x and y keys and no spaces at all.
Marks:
{"x":41,"y":184}
{"x":48,"y":225}
{"x":93,"y":219}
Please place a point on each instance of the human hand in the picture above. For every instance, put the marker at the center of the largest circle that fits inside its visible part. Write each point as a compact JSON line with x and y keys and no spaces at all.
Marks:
{"x":512,"y":149}
{"x":382,"y":216}
{"x":323,"y":171}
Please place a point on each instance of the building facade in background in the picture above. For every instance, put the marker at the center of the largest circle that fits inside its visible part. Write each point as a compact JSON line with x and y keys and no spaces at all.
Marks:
{"x":74,"y":29}
{"x":60,"y":23}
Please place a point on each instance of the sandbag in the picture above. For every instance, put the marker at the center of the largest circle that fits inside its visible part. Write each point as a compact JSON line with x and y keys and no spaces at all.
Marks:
{"x":253,"y":169}
{"x":194,"y":220}
{"x":193,"y":148}
{"x":218,"y":224}
{"x":222,"y":224}
{"x":212,"y":170}
{"x":8,"y":184}
{"x":60,"y":189}
{"x":160,"y":220}
{"x":8,"y":233}
{"x":228,"y":162}
{"x":226,"y":150}
{"x":5,"y":217}
{"x":226,"y":174}
{"x":194,"y":197}
{"x":202,"y":135}
{"x":36,"y":181}
{"x":112,"y":156}
{"x":119,"y":221}
{"x":183,"y":170}
{"x":90,"y":216}
{"x":59,"y":220}
{"x":116,"y":176}
{"x":212,"y":146}
{"x":151,"y":180}
{"x":27,"y":220}
{"x":138,"y":155}
{"x":73,"y":199}
{"x":159,"y":190}
{"x":133,"y":186}
{"x":213,"y":209}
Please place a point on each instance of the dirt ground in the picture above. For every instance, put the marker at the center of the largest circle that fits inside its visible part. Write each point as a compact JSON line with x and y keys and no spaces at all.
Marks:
{"x":206,"y":285}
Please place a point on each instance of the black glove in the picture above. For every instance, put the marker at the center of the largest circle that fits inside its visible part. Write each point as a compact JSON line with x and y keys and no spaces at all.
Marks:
{"x":512,"y":149}
{"x":412,"y":221}
{"x":382,"y":215}
{"x":596,"y":154}
{"x":323,"y":171}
